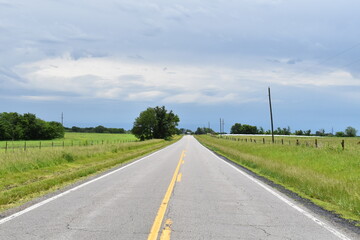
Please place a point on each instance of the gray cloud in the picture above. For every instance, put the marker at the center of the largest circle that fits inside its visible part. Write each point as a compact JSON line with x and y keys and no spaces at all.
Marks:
{"x":218,"y":51}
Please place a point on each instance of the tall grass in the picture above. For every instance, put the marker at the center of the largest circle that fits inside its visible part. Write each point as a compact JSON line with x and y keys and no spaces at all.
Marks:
{"x":329,"y":176}
{"x":28,"y":174}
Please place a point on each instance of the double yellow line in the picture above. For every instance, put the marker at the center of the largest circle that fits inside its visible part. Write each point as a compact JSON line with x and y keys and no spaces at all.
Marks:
{"x":154,"y":232}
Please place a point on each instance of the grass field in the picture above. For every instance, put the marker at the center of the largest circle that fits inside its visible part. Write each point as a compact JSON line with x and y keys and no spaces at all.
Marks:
{"x":70,"y":139}
{"x":327,"y":175}
{"x":28,"y":174}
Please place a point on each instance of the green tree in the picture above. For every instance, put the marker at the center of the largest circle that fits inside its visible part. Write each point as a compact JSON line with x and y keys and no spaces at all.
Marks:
{"x":155,"y":123}
{"x":299,"y":132}
{"x":340,"y":134}
{"x":350,"y":132}
{"x":238,"y":128}
{"x":204,"y":130}
{"x":100,"y":129}
{"x":14,"y":126}
{"x":166,"y":123}
{"x":145,"y":124}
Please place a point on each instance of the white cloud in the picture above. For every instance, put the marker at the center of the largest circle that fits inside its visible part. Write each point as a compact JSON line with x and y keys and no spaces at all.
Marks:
{"x":112,"y":78}
{"x":42,"y":98}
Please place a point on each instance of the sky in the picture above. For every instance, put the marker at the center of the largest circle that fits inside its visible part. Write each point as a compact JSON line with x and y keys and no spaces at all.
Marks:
{"x":103,"y":62}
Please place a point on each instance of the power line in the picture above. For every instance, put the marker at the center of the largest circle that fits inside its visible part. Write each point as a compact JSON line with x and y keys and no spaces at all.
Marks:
{"x":330,"y":58}
{"x":339,"y":54}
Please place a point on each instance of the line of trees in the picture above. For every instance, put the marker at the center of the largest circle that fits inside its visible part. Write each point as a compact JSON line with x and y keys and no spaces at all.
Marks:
{"x":238,"y":128}
{"x":155,"y":123}
{"x":15,"y":126}
{"x":204,"y":130}
{"x":98,"y":129}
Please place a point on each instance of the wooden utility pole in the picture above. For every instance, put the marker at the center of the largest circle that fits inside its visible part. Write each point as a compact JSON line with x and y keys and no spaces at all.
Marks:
{"x":271,"y":117}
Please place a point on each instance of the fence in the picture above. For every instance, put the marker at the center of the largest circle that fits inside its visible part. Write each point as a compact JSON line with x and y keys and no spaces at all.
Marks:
{"x":23,"y":146}
{"x":308,"y":143}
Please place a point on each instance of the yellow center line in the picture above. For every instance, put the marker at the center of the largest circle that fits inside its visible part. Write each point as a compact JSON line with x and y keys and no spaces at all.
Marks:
{"x":179,"y":177}
{"x":166,"y":233}
{"x":163,"y":206}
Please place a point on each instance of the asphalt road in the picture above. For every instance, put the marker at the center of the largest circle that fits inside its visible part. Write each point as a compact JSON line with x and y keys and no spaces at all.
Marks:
{"x":181,"y":192}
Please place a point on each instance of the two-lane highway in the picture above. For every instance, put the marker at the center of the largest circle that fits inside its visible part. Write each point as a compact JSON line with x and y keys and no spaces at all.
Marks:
{"x":181,"y":192}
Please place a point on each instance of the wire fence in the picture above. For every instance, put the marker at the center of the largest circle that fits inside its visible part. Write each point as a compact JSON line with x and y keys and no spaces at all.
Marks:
{"x":12,"y":146}
{"x":314,"y":142}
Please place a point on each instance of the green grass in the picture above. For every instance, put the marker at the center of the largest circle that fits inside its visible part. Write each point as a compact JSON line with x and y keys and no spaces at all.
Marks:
{"x":28,"y":174}
{"x":70,"y":139}
{"x":327,"y":175}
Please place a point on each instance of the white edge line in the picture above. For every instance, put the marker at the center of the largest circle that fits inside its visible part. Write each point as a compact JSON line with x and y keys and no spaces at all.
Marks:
{"x":15,"y":215}
{"x":299,"y":209}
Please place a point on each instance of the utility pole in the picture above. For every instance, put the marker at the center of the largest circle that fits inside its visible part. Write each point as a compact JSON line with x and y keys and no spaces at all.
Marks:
{"x":223,"y":125}
{"x":220,"y":126}
{"x":62,"y":119}
{"x":271,"y":117}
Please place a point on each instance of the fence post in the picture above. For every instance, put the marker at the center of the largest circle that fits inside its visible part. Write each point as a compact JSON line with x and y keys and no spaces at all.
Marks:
{"x":6,"y":146}
{"x":52,"y":144}
{"x":343,"y":144}
{"x":263,"y":140}
{"x":316,"y":143}
{"x":40,"y":145}
{"x":25,"y":146}
{"x":282,"y":141}
{"x":297,"y":142}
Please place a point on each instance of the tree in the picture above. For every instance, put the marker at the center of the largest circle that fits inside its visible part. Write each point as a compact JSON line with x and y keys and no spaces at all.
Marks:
{"x":237,"y":128}
{"x":204,"y":130}
{"x":199,"y":131}
{"x":320,"y":133}
{"x":155,"y":123}
{"x":299,"y":132}
{"x":144,"y":125}
{"x":261,"y":130}
{"x":166,"y":123}
{"x":350,"y":132}
{"x":340,"y":134}
{"x":100,"y":129}
{"x":14,"y":126}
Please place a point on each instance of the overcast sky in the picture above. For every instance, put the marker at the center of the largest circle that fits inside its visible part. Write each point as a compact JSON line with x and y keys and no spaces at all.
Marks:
{"x":102,"y":62}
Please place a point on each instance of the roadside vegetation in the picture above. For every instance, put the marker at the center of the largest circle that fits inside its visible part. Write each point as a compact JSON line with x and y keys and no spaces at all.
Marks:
{"x":69,"y":139}
{"x":29,"y":174}
{"x":327,"y":175}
